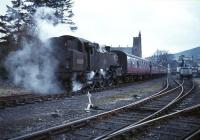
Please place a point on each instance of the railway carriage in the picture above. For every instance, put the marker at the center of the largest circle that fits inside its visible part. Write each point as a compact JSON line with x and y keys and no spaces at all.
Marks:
{"x":132,"y":65}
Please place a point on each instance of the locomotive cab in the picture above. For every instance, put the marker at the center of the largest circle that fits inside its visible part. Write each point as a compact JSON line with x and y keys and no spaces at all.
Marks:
{"x":70,"y":53}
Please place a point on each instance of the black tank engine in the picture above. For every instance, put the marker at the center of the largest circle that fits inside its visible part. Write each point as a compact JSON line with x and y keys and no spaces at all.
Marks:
{"x":88,"y":63}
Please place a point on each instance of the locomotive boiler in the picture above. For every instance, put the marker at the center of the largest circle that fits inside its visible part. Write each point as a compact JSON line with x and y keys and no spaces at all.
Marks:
{"x":79,"y":58}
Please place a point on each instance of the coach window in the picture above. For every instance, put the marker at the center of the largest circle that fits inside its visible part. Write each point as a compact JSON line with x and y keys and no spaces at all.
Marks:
{"x":133,"y":62}
{"x":137,"y":64}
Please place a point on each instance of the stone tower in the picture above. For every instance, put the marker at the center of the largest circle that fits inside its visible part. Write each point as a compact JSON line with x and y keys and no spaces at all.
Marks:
{"x":137,"y":46}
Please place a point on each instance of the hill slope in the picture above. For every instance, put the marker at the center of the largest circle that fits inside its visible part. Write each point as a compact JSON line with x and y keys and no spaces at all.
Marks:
{"x":195,"y":52}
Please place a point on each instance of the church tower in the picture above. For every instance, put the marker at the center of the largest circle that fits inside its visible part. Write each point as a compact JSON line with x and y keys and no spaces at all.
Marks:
{"x":137,"y":46}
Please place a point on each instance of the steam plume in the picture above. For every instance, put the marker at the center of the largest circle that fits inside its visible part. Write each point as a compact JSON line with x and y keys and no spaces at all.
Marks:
{"x":76,"y":85}
{"x":33,"y":66}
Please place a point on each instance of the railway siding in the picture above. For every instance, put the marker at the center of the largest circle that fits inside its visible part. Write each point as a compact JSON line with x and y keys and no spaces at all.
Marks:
{"x":111,"y":123}
{"x":175,"y":127}
{"x":33,"y":117}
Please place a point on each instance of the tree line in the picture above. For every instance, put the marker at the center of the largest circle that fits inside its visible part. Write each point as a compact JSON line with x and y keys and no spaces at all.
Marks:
{"x":163,"y":57}
{"x":19,"y":17}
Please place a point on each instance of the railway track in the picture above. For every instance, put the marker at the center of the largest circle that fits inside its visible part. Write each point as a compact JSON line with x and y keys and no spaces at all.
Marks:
{"x":180,"y":125}
{"x":30,"y":98}
{"x":105,"y":124}
{"x":168,"y":126}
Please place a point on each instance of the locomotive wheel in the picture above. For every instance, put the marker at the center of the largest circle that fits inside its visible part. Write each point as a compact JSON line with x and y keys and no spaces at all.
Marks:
{"x":91,"y":86}
{"x":116,"y":81}
{"x":109,"y":83}
{"x":101,"y":83}
{"x":66,"y":85}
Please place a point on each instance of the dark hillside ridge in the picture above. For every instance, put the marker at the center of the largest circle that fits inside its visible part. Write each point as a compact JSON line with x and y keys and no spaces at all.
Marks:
{"x":195,"y":52}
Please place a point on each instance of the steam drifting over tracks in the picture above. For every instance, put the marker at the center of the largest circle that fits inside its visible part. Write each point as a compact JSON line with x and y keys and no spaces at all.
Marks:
{"x":105,"y":123}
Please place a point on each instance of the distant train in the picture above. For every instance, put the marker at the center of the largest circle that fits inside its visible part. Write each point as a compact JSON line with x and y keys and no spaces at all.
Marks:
{"x":87,"y":63}
{"x":185,"y":72}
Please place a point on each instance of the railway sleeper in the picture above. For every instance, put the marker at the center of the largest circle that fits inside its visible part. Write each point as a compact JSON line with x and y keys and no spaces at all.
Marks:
{"x":79,"y":125}
{"x":11,"y":103}
{"x":89,"y":132}
{"x":116,"y":122}
{"x":159,"y":137}
{"x":72,"y":137}
{"x":29,"y":100}
{"x":179,"y":127}
{"x":131,"y":119}
{"x":149,"y":109}
{"x":168,"y":131}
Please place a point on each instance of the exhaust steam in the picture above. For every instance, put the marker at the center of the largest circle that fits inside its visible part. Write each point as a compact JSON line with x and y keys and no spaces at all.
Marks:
{"x":33,"y":66}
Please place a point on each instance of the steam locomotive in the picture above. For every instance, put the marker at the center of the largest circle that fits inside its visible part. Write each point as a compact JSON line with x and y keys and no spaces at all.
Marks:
{"x":87,"y":63}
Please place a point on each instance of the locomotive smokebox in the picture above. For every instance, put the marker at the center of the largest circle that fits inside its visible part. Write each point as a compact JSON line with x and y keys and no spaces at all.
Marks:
{"x":107,"y":48}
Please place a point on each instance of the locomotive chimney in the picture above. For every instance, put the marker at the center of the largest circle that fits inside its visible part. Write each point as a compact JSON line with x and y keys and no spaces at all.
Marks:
{"x":107,"y":48}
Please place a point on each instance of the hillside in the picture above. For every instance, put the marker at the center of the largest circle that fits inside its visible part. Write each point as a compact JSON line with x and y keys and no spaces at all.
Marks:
{"x":195,"y":52}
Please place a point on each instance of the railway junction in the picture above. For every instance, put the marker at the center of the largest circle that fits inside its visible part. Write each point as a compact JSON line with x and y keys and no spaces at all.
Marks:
{"x":162,"y":108}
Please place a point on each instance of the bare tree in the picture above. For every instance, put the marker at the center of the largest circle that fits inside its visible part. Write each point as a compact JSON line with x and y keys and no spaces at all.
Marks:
{"x":162,"y":57}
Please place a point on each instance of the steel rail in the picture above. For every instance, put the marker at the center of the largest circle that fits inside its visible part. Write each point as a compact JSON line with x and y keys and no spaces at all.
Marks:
{"x":150,"y":116}
{"x":77,"y":122}
{"x":166,"y":106}
{"x":74,"y":123}
{"x":177,"y":99}
{"x":194,"y":136}
{"x":189,"y":109}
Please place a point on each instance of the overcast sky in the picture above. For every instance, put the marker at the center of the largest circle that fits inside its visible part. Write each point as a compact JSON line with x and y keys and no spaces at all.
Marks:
{"x":172,"y":25}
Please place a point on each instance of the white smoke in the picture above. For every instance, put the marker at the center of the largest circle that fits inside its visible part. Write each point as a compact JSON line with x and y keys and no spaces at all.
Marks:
{"x":76,"y":85}
{"x":90,"y":75}
{"x":33,"y":66}
{"x":101,"y":49}
{"x":46,"y":24}
{"x":102,"y":72}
